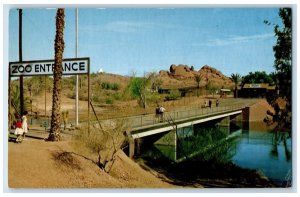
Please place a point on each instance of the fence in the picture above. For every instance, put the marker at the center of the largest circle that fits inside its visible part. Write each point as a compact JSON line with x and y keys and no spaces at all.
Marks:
{"x":152,"y":119}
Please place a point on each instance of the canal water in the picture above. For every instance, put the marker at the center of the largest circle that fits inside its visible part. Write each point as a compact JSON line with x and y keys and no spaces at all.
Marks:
{"x":256,"y":147}
{"x":267,"y":151}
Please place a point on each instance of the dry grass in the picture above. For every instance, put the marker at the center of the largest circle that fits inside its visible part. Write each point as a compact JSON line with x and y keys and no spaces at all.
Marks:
{"x":66,"y":159}
{"x":101,"y":142}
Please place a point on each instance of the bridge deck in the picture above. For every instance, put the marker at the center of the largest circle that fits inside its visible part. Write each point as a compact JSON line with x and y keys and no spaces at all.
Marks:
{"x":166,"y":126}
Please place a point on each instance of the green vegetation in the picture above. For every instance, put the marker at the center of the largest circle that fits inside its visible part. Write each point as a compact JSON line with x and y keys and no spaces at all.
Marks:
{"x":212,"y":87}
{"x":198,"y":80}
{"x":174,"y":94}
{"x":141,"y":88}
{"x":236,"y":79}
{"x":110,"y":86}
{"x":257,"y":77}
{"x":211,"y":144}
{"x":283,"y":75}
{"x":109,"y":101}
{"x":15,"y":100}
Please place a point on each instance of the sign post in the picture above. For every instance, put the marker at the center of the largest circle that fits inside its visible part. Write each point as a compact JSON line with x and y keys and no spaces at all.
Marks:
{"x":70,"y":66}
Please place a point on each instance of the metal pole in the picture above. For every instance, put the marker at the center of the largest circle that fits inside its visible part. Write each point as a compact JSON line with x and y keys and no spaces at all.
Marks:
{"x":45,"y":103}
{"x":76,"y":89}
{"x":20,"y":59}
{"x":45,"y":97}
{"x":9,"y":105}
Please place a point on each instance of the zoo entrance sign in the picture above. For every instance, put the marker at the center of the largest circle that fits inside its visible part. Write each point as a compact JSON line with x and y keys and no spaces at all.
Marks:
{"x":72,"y":66}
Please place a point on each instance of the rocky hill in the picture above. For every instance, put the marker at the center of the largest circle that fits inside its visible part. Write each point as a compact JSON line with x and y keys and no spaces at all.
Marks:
{"x":184,"y":76}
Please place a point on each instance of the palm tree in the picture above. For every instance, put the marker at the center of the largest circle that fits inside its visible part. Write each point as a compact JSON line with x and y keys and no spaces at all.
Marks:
{"x":236,"y":79}
{"x":198,"y":80}
{"x":57,"y":75}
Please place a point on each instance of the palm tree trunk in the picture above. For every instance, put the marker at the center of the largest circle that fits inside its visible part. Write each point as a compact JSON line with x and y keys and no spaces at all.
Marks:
{"x":235,"y":92}
{"x":57,"y":75}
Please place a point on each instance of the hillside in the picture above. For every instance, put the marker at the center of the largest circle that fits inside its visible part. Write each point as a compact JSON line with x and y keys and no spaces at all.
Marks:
{"x":184,"y":76}
{"x":109,"y":92}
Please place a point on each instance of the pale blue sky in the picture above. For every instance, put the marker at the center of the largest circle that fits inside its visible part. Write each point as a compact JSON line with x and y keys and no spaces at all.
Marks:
{"x":122,"y":40}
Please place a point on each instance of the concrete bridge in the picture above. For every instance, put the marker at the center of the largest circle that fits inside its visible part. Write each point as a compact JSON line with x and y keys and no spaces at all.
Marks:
{"x":149,"y":125}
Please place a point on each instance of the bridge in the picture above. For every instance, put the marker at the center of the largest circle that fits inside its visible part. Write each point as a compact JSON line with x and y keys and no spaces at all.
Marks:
{"x":151,"y":124}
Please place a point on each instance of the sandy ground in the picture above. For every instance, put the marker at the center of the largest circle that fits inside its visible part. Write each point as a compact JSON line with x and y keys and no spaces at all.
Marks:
{"x":33,"y":164}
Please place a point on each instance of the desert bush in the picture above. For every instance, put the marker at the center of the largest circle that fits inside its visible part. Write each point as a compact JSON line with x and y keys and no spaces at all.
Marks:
{"x":174,"y":94}
{"x":153,"y":97}
{"x":71,"y":95}
{"x":102,"y":142}
{"x":110,"y":86}
{"x":109,"y":101}
{"x":117,"y":96}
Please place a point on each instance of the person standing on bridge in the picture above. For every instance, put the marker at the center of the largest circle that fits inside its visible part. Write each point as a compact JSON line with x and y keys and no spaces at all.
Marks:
{"x":209,"y":103}
{"x":157,"y":113}
{"x":217,"y":103}
{"x":161,"y":112}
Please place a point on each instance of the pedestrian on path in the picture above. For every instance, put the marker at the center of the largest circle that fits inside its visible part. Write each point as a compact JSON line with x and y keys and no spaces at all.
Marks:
{"x":161,"y":111}
{"x":24,"y":124}
{"x":19,"y":130}
{"x":217,"y":103}
{"x":209,"y":103}
{"x":157,"y":113}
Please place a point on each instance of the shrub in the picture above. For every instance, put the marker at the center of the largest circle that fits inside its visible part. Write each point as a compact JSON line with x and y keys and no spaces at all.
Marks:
{"x":101,"y":143}
{"x":109,"y":101}
{"x":109,"y":86}
{"x":174,"y":94}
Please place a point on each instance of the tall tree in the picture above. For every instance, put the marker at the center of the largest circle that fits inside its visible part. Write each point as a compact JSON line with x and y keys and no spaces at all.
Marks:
{"x":283,"y":65}
{"x":236,"y":79}
{"x":57,"y":75}
{"x":137,"y":87}
{"x":198,"y":80}
{"x":257,"y":77}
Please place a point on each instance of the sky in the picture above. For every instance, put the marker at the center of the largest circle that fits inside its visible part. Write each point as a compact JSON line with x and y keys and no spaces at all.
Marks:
{"x":140,"y":40}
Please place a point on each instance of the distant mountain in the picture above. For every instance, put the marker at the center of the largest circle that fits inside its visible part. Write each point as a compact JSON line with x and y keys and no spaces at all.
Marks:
{"x":184,"y":76}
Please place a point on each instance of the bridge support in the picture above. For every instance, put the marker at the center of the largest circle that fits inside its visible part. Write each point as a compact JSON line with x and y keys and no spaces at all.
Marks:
{"x":167,"y":139}
{"x":225,"y":122}
{"x":131,"y":147}
{"x":246,"y":117}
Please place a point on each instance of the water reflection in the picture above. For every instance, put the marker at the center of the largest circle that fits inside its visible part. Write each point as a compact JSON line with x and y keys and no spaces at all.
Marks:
{"x":257,"y":148}
{"x":206,"y":144}
{"x":278,"y":139}
{"x":267,"y":151}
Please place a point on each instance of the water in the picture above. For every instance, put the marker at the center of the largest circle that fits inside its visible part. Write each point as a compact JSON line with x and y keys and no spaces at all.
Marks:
{"x":254,"y":148}
{"x":264,"y":151}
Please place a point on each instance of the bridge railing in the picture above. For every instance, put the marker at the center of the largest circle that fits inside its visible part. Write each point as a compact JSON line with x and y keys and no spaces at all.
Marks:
{"x":152,"y":119}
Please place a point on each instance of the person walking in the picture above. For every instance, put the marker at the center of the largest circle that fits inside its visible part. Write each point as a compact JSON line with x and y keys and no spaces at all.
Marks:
{"x":161,"y":111}
{"x":209,"y":103}
{"x":24,"y":124}
{"x":217,"y":103}
{"x":19,"y":130}
{"x":157,"y":113}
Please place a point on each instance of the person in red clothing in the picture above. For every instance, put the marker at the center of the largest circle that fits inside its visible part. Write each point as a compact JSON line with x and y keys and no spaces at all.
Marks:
{"x":19,"y":129}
